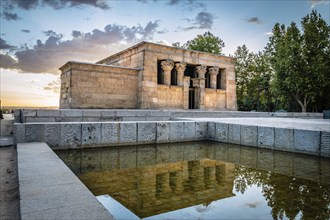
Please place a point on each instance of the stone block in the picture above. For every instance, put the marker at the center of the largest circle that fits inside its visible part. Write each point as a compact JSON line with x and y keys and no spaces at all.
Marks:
{"x":189,"y":129}
{"x":176,"y":131}
{"x":29,"y":113}
{"x":71,"y":113}
{"x":163,"y":132}
{"x":39,"y":119}
{"x":201,"y":130}
{"x":91,"y":113}
{"x":146,"y":132}
{"x":325,"y":144}
{"x":108,"y":113}
{"x":34,"y":132}
{"x":48,"y":113}
{"x":70,"y":135}
{"x":19,"y":133}
{"x":234,"y":134}
{"x":109,"y":133}
{"x":127,"y":132}
{"x":266,"y":136}
{"x":283,"y":139}
{"x":211,"y":130}
{"x":91,"y":134}
{"x":307,"y":141}
{"x":52,"y":134}
{"x":221,"y":132}
{"x":249,"y":135}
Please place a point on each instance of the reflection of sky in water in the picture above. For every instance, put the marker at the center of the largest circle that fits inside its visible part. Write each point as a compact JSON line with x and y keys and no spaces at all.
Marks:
{"x":250,"y":205}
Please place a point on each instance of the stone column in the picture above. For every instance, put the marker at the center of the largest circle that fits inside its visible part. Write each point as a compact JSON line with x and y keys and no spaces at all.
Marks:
{"x":180,"y":68}
{"x":213,"y":71}
{"x":167,"y":66}
{"x":201,"y":70}
{"x":186,"y":83}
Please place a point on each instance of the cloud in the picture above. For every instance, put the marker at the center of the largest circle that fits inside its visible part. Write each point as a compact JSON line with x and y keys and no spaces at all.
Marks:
{"x":10,"y":16}
{"x":187,"y":4}
{"x":33,"y":80}
{"x":53,"y":86}
{"x":9,"y":5}
{"x":254,"y":20}
{"x":55,"y":4}
{"x":203,"y":20}
{"x":25,"y":31}
{"x":4,"y":45}
{"x":269,"y":33}
{"x":314,"y":3}
{"x":48,"y":56}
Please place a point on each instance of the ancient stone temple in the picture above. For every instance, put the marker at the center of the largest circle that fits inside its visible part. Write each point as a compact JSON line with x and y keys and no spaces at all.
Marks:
{"x":151,"y":76}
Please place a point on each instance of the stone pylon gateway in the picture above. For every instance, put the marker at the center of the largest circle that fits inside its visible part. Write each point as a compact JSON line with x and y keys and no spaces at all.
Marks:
{"x":151,"y":76}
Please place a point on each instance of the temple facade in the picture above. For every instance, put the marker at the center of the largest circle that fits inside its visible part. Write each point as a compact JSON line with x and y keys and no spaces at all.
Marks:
{"x":151,"y":76}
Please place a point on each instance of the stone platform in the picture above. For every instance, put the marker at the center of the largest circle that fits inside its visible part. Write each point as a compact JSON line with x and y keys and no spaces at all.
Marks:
{"x":49,"y":189}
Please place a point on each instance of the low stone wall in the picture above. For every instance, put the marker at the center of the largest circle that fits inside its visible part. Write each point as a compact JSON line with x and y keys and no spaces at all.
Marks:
{"x":284,"y":139}
{"x":103,"y":115}
{"x":97,"y":134}
{"x":84,"y":134}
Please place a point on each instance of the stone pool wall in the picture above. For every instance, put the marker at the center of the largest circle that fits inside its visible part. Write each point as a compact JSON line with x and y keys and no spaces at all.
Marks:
{"x":102,"y":115}
{"x":68,"y":135}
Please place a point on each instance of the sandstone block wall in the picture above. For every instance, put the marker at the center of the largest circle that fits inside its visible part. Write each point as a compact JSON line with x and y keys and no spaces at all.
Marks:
{"x":98,"y":86}
{"x":170,"y":97}
{"x":215,"y":99}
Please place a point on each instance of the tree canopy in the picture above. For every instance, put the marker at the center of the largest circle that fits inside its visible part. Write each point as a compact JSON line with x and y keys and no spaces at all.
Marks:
{"x":206,"y":42}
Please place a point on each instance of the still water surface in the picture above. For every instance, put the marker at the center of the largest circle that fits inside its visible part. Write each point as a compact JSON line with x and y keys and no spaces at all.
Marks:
{"x":204,"y":180}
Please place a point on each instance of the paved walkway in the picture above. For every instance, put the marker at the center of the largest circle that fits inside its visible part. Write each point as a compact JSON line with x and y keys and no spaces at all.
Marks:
{"x":9,"y":202}
{"x":291,"y":123}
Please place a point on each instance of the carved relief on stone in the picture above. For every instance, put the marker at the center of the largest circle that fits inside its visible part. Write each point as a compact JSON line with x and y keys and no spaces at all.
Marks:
{"x":167,"y":65}
{"x":180,"y":67}
{"x":201,"y":70}
{"x":214,"y":70}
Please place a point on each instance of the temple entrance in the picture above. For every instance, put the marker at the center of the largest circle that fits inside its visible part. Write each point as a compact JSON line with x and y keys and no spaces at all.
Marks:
{"x":191,"y":98}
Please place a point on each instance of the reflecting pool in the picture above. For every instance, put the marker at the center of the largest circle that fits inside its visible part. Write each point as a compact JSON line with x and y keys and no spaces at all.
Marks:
{"x":204,"y":180}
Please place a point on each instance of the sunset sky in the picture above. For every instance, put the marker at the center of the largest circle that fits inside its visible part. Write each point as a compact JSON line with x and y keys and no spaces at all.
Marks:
{"x":39,"y":36}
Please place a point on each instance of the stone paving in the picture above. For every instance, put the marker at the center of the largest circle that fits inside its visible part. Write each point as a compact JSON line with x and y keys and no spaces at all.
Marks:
{"x":49,"y":189}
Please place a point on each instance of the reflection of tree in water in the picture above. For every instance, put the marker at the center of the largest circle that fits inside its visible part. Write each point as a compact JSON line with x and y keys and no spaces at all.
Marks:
{"x":286,"y":195}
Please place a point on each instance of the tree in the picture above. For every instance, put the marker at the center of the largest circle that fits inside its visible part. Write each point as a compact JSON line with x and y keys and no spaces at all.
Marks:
{"x":253,"y":78}
{"x":205,"y":43}
{"x":301,"y":60}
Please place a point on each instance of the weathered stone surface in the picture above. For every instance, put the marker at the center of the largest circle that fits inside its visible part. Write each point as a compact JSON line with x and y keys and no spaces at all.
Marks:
{"x":283,"y":139}
{"x":92,"y":113}
{"x":128,"y":132}
{"x":325,"y":144}
{"x":201,"y":130}
{"x":266,"y":136}
{"x":109,"y":133}
{"x":249,"y":135}
{"x":307,"y":141}
{"x":70,"y":135}
{"x":234,"y":134}
{"x":211,"y":130}
{"x":221,"y":132}
{"x":146,"y":132}
{"x":176,"y":131}
{"x":34,"y":132}
{"x":189,"y":129}
{"x":48,"y":113}
{"x":19,"y":133}
{"x":163,"y":132}
{"x":71,"y":113}
{"x":52,"y":135}
{"x":91,"y":134}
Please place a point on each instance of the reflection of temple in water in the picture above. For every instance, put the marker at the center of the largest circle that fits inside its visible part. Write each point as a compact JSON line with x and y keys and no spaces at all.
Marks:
{"x":161,"y":188}
{"x":150,"y":179}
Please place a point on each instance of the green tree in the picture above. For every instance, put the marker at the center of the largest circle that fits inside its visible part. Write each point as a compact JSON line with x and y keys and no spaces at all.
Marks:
{"x":253,"y":80}
{"x":205,"y":43}
{"x":301,"y":60}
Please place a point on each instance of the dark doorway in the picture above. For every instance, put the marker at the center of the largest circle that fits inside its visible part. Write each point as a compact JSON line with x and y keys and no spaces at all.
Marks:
{"x":191,"y":98}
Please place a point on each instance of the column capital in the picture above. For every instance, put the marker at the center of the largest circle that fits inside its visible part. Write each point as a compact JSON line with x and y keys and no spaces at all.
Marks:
{"x":180,"y":67}
{"x":201,"y":70}
{"x":167,"y":65}
{"x":214,"y":70}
